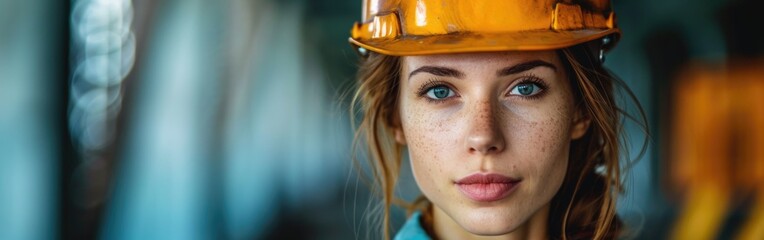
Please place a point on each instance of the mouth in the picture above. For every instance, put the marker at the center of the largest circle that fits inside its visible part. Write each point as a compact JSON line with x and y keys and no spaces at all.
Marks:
{"x":487,"y":187}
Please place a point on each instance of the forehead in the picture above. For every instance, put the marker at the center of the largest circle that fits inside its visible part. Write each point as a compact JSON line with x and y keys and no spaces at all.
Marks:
{"x":480,"y":60}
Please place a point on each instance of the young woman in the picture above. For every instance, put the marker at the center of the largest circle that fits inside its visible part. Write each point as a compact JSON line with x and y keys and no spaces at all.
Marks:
{"x":504,"y":109}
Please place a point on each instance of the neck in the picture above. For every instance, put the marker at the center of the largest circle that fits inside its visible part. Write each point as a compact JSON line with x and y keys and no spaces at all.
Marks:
{"x":446,"y":228}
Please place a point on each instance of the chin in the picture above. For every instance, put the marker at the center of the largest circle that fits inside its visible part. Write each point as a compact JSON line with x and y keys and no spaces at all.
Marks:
{"x":489,"y":229}
{"x":489,"y":224}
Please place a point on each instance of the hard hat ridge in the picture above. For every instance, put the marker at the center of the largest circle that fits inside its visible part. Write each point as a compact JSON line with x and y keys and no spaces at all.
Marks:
{"x":416,"y":27}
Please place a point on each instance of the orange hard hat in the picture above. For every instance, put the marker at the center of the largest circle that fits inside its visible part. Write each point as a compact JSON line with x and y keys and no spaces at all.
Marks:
{"x":417,"y":27}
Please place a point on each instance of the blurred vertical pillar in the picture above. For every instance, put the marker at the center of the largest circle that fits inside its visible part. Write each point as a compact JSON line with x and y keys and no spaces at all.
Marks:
{"x":102,"y":55}
{"x":648,"y":59}
{"x":161,"y":186}
{"x":701,"y":159}
{"x":283,"y":145}
{"x":230,"y":128}
{"x":33,"y":43}
{"x":749,"y":124}
{"x":741,"y":24}
{"x":250,"y":174}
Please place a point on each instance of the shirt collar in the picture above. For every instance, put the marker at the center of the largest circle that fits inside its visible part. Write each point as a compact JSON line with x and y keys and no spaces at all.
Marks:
{"x":412,"y":229}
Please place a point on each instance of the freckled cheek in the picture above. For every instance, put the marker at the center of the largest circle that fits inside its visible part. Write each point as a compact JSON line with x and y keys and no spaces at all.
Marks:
{"x":544,"y":149}
{"x":535,"y":135}
{"x":430,"y":147}
{"x":429,"y":167}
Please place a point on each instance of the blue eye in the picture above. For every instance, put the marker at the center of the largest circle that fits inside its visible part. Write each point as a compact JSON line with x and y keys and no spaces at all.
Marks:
{"x":439,"y":92}
{"x":525,"y":89}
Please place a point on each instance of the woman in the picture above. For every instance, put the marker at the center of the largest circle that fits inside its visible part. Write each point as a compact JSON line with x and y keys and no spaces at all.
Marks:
{"x":504,"y":109}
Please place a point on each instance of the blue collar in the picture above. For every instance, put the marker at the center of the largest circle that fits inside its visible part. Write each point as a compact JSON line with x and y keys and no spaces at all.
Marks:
{"x":412,"y":230}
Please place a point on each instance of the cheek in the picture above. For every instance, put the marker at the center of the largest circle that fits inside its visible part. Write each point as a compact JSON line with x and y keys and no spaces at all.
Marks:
{"x":542,"y":149}
{"x":430,"y":141}
{"x":425,"y":134}
{"x":542,"y":139}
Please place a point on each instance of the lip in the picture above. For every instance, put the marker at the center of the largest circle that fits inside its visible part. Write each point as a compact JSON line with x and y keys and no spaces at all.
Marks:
{"x":487,"y":187}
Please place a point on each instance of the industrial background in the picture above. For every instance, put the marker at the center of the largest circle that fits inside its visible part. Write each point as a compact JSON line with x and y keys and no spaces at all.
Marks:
{"x":197,"y":119}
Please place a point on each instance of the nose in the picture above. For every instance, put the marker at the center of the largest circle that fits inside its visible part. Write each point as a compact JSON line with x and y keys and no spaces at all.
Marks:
{"x":485,"y":134}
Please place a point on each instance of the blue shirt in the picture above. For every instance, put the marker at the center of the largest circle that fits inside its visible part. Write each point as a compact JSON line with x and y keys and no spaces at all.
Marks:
{"x":412,"y":229}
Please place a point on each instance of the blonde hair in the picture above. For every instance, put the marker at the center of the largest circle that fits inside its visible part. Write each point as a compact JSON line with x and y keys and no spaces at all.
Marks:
{"x":587,"y":212}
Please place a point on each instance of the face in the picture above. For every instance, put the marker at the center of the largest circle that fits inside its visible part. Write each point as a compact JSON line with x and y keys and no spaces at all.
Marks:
{"x":487,"y":134}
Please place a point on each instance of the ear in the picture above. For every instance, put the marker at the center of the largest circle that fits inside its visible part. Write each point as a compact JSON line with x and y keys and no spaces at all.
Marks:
{"x":581,"y":124}
{"x":400,"y":138}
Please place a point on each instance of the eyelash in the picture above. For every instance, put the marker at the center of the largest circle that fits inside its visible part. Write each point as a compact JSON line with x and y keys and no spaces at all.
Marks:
{"x":530,"y":78}
{"x":422,"y":92}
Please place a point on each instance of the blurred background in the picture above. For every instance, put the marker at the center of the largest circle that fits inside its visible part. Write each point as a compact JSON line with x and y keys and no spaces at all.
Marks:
{"x":194,"y":119}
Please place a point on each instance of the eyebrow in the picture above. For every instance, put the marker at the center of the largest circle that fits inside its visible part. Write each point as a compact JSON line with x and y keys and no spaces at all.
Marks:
{"x":522,"y":67}
{"x":438,"y":71}
{"x":450,"y":72}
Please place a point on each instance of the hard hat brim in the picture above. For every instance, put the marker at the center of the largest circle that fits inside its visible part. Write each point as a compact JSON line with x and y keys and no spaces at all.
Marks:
{"x":481,"y":42}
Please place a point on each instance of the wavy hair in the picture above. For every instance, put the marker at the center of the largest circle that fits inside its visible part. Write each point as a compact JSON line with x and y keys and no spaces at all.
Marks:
{"x":583,"y":208}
